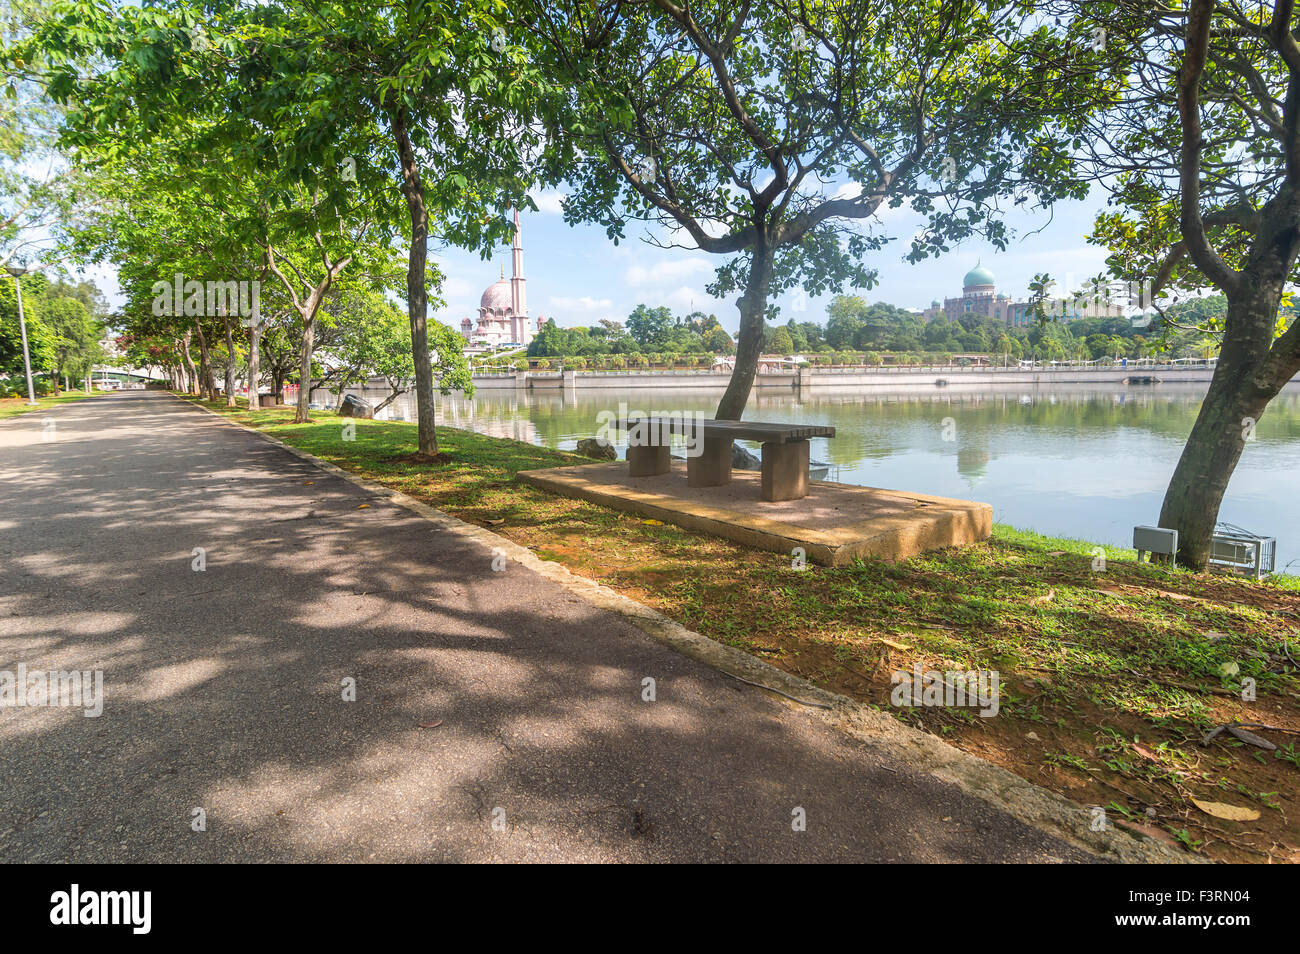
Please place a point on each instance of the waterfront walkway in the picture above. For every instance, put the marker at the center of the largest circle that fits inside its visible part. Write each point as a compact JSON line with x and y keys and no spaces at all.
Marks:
{"x":497,"y":716}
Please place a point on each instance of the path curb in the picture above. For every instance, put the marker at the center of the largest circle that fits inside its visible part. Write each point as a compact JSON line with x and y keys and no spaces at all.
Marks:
{"x":1029,"y":803}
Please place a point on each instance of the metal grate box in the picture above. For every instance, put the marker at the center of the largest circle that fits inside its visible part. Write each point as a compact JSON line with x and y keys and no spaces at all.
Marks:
{"x":1233,"y":548}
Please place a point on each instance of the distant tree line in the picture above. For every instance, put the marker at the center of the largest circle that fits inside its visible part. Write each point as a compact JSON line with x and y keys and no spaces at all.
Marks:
{"x":64,"y":325}
{"x":854,"y":325}
{"x":646,"y":331}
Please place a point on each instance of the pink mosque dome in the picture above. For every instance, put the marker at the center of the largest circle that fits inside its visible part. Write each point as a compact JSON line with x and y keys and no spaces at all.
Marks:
{"x":497,"y":298}
{"x":503,"y":309}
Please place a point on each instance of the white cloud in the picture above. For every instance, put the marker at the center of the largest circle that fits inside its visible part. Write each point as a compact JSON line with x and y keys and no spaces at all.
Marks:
{"x":669,"y":270}
{"x":549,"y":201}
{"x":584,"y":306}
{"x":686,"y":299}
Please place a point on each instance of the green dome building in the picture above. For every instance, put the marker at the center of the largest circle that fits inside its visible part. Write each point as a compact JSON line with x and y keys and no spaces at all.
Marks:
{"x":978,"y":277}
{"x":979,"y":296}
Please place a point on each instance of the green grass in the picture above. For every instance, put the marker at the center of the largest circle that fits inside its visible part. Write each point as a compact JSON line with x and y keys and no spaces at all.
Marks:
{"x":1110,"y":674}
{"x":12,"y":407}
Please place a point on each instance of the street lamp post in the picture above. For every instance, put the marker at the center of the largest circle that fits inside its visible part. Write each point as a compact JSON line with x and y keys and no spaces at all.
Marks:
{"x":17,"y":271}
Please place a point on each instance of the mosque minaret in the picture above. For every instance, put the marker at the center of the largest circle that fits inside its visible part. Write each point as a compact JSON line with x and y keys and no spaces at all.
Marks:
{"x":503,"y":309}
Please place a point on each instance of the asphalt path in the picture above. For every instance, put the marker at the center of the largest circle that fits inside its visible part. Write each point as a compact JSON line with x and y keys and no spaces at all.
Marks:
{"x":497,"y":716}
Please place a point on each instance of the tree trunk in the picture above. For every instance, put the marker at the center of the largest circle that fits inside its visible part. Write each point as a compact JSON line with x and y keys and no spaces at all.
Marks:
{"x":203,"y":363}
{"x":209,"y":381}
{"x":230,"y":363}
{"x":416,"y":295}
{"x":304,"y":370}
{"x":254,"y":334}
{"x":749,"y":341}
{"x":1229,"y":412}
{"x":192,"y":374}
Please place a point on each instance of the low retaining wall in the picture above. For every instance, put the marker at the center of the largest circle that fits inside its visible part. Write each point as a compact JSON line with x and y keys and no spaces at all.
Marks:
{"x":958,"y":376}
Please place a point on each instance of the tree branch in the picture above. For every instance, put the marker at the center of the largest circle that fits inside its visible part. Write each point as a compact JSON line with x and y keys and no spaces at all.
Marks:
{"x":1190,"y":222}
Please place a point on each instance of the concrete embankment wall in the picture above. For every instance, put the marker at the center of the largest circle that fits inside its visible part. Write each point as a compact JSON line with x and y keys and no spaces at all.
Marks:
{"x":961,"y":376}
{"x":839,"y":378}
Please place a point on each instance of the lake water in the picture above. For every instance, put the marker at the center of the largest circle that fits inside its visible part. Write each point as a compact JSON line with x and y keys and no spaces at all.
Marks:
{"x":1070,"y":460}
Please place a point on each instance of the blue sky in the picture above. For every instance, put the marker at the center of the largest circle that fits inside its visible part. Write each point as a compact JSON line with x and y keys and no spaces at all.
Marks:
{"x":578,"y":276}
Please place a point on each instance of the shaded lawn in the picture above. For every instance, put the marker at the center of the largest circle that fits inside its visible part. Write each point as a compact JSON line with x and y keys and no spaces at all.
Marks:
{"x":11,"y":407}
{"x":1110,"y":678}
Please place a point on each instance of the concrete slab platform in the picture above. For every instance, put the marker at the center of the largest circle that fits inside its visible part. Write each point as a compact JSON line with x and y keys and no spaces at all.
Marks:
{"x":835,"y":524}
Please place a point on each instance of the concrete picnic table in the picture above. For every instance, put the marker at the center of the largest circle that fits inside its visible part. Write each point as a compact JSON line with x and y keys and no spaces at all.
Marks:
{"x":785,"y":451}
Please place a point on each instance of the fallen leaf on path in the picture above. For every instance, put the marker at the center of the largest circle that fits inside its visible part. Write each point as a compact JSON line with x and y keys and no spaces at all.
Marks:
{"x":308,"y":483}
{"x":903,"y":647}
{"x":431,"y":725}
{"x":654,"y":523}
{"x":1146,"y":753}
{"x":1224,"y":810}
{"x":362,"y":506}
